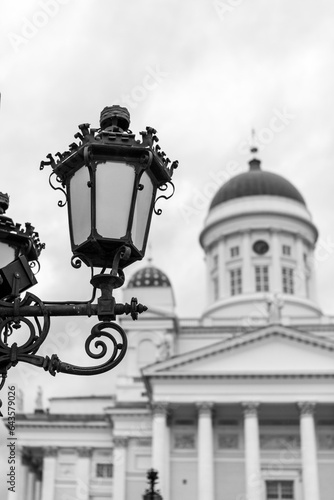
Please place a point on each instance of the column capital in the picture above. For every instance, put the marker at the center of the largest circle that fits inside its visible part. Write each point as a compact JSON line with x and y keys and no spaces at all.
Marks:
{"x":84,"y":452}
{"x":120,"y":441}
{"x":205,"y":407}
{"x":160,"y":408}
{"x":306,"y":407}
{"x":50,"y":451}
{"x":250,"y":408}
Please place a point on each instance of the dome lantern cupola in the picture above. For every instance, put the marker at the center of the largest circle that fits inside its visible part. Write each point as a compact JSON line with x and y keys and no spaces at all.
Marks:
{"x":154,"y":288}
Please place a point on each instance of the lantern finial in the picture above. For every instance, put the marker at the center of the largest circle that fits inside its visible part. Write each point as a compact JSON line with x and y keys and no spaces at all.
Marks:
{"x":115,"y":116}
{"x":4,"y":203}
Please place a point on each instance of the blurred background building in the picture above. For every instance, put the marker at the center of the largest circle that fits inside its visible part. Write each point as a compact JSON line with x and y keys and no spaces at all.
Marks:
{"x":237,"y":404}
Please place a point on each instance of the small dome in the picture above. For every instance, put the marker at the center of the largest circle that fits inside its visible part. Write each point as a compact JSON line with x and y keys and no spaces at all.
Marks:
{"x":149,"y":277}
{"x":256,"y":182}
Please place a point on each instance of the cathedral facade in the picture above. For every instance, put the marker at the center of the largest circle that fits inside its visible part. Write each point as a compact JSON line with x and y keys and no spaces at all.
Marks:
{"x":235,"y":405}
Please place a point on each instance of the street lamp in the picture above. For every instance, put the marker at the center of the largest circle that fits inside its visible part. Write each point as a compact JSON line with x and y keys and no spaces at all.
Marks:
{"x":110,"y":182}
{"x":151,"y":493}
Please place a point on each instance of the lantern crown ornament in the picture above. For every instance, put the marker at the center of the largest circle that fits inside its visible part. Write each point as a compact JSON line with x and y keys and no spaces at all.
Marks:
{"x":110,"y":182}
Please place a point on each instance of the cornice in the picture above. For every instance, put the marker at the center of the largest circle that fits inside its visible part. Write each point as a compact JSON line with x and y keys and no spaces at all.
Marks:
{"x":127,"y":413}
{"x":61,"y":425}
{"x":169,"y":375}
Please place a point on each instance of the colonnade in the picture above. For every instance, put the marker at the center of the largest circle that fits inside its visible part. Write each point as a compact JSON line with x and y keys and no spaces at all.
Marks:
{"x":34,"y":484}
{"x":205,"y":451}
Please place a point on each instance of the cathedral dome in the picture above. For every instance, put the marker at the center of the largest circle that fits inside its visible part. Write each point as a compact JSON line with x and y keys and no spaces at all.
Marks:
{"x":149,"y":276}
{"x":256,"y":182}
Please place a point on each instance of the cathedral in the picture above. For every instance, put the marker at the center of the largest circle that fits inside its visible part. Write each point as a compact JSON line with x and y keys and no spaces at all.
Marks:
{"x":237,"y":404}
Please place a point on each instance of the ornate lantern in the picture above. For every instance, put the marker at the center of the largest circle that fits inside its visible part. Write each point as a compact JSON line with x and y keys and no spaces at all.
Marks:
{"x":110,"y":181}
{"x":18,"y":247}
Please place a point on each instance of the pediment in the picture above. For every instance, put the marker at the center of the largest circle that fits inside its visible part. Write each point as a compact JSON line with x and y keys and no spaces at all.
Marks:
{"x":271,"y":350}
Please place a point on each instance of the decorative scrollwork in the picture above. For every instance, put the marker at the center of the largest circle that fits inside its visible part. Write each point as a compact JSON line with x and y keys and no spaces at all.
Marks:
{"x":163,"y":187}
{"x":10,"y":355}
{"x":55,"y":188}
{"x":119,"y":348}
{"x":33,"y":264}
{"x":76,"y":262}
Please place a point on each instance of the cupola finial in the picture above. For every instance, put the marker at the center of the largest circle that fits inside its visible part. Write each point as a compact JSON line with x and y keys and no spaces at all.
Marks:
{"x":254,"y":163}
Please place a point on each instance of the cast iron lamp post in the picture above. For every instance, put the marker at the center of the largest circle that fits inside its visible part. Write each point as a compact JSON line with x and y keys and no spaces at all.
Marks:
{"x":152,"y":493}
{"x":109,"y":182}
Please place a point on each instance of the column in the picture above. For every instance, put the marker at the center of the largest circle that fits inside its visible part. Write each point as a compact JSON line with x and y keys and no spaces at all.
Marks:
{"x":30,"y":488}
{"x":254,"y":483}
{"x":312,"y":282}
{"x":21,"y":475}
{"x":309,"y":451}
{"x":205,"y":452}
{"x":49,"y":473}
{"x":300,"y":272}
{"x":120,"y":452}
{"x":247,"y":268}
{"x":159,"y":430}
{"x":276,"y":285}
{"x":223,"y":282}
{"x":83,"y":473}
{"x":38,"y":490}
{"x":167,"y":461}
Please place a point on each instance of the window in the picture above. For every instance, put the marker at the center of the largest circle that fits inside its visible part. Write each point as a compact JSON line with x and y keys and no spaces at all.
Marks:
{"x":279,"y":490}
{"x":215,"y":288}
{"x":261,"y":279}
{"x":287,"y":280}
{"x":235,"y":281}
{"x":234,"y":251}
{"x":286,"y":250}
{"x":104,"y":470}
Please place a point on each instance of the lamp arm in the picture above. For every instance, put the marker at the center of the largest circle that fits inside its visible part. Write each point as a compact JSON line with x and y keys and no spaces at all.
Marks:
{"x":69,"y":309}
{"x":15,"y":314}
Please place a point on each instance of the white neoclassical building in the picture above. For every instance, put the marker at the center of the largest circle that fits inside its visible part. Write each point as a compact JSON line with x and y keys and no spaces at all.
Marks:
{"x":235,"y":405}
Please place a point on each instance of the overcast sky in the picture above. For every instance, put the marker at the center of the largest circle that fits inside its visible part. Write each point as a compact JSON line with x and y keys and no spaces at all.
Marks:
{"x":203,"y":73}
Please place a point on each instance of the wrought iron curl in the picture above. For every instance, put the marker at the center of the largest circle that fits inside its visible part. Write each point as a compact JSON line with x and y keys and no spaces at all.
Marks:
{"x":119,"y":349}
{"x":97,"y":332}
{"x":33,"y":264}
{"x":163,"y":187}
{"x":76,"y":262}
{"x":37,"y":333}
{"x":55,"y":188}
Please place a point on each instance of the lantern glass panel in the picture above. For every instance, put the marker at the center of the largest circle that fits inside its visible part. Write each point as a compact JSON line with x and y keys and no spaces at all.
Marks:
{"x":114,"y":188}
{"x":142,"y":211}
{"x":7,"y":254}
{"x":80,"y":195}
